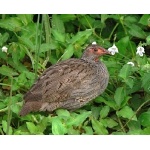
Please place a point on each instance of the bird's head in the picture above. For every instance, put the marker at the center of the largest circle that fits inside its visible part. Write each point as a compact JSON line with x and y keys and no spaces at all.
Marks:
{"x":93,"y":52}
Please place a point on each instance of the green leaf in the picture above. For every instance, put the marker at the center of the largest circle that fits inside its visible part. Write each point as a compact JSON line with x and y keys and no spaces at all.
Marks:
{"x":146,"y":131}
{"x":63,"y":113}
{"x":88,"y":130}
{"x":12,"y":23}
{"x":134,"y":125}
{"x":108,"y":122}
{"x":95,"y":111}
{"x":125,"y":71}
{"x":4,"y":127}
{"x":145,"y":19}
{"x":148,"y":40}
{"x":57,"y":24}
{"x":127,"y":112}
{"x":136,"y":31}
{"x":129,"y":82}
{"x":31,"y":127}
{"x":119,"y":96}
{"x":110,"y":103}
{"x":144,"y":119}
{"x":68,"y":52}
{"x":15,"y":108}
{"x":58,"y":35}
{"x":67,"y":17}
{"x":58,"y":127}
{"x":104,"y":112}
{"x":122,"y":44}
{"x":146,"y":82}
{"x":7,"y":71}
{"x":81,"y":35}
{"x":48,"y":46}
{"x":78,"y":119}
{"x":99,"y":127}
{"x":26,"y":41}
{"x":25,"y":18}
{"x":3,"y":38}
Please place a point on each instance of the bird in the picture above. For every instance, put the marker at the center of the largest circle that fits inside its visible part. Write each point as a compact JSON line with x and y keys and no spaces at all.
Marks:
{"x":69,"y":84}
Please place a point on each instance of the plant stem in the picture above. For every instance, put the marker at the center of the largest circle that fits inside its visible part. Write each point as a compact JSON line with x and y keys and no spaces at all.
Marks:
{"x":47,"y":31}
{"x":135,"y":113}
{"x":9,"y":109}
{"x":37,"y":47}
{"x":113,"y":31}
{"x":122,"y":127}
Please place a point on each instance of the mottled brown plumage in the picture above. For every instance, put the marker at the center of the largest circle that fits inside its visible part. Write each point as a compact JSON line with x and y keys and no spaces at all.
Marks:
{"x":69,"y":84}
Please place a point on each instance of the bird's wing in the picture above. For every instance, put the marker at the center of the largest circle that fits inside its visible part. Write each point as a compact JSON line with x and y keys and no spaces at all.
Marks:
{"x":58,"y":81}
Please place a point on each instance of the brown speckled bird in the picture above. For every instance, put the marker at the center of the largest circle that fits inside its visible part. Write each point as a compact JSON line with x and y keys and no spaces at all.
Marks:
{"x":69,"y":84}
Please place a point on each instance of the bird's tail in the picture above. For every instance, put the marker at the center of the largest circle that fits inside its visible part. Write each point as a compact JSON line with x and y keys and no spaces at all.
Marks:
{"x":29,"y":107}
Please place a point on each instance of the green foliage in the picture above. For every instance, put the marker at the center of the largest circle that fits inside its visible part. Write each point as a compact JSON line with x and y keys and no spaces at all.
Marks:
{"x":34,"y":45}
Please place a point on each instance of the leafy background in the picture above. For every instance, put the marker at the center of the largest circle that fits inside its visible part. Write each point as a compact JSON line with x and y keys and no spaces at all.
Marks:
{"x":35,"y":42}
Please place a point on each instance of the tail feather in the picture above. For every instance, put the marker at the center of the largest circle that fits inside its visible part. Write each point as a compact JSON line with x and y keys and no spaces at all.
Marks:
{"x":29,"y":107}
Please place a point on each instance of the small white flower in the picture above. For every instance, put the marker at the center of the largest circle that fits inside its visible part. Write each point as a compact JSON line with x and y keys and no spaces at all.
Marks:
{"x":113,"y":49}
{"x":4,"y":49}
{"x":140,"y":50}
{"x":94,"y":43}
{"x":131,"y":63}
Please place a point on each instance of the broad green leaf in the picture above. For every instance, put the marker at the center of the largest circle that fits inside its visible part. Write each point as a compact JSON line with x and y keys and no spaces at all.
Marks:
{"x":32,"y":128}
{"x":136,"y":31}
{"x":108,"y":122}
{"x":60,"y":37}
{"x":99,"y":127}
{"x":146,"y":131}
{"x":148,"y":40}
{"x":63,"y":113}
{"x":146,"y":82}
{"x":3,"y":38}
{"x":67,"y":17}
{"x":12,"y":23}
{"x":72,"y":131}
{"x":129,"y":82}
{"x":15,"y":108}
{"x":58,"y":128}
{"x":7,"y":71}
{"x":125,"y":71}
{"x":4,"y":127}
{"x":119,"y":96}
{"x":104,"y":112}
{"x":58,"y":24}
{"x":130,"y":19}
{"x":144,"y":119}
{"x":78,"y":119}
{"x":80,"y":35}
{"x":25,"y":18}
{"x":68,"y":52}
{"x":110,"y":103}
{"x":134,"y":132}
{"x":26,"y":41}
{"x":48,"y":46}
{"x":145,"y":19}
{"x":122,"y":44}
{"x":134,"y":125}
{"x":86,"y":21}
{"x":88,"y":130}
{"x":95,"y":111}
{"x":127,"y":112}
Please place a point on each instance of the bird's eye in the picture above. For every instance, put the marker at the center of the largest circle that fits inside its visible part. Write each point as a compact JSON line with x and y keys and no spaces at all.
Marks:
{"x":95,"y":49}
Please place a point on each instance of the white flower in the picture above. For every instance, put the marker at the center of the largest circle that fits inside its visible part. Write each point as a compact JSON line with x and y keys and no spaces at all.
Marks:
{"x":4,"y":49}
{"x":113,"y":49}
{"x":131,"y":63}
{"x":94,"y":43}
{"x":140,"y":50}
